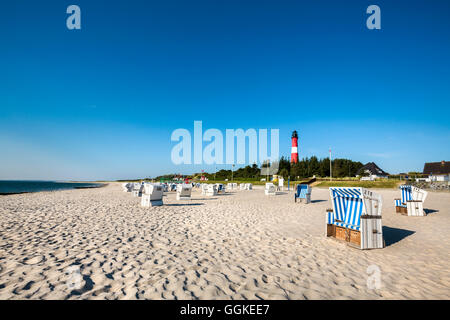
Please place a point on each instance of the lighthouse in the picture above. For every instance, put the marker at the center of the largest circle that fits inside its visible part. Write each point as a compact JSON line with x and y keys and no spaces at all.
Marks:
{"x":294,"y":149}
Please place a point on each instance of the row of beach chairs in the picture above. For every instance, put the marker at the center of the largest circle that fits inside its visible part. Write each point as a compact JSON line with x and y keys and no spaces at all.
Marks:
{"x":151,"y":194}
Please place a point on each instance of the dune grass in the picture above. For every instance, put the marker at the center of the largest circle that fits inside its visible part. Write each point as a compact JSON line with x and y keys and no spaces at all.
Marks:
{"x":385,"y":184}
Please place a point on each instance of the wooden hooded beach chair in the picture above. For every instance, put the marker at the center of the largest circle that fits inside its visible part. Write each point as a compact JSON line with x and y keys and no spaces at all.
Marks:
{"x":153,"y":195}
{"x":211,"y":190}
{"x":411,"y":202}
{"x":270,"y":189}
{"x":355,"y":217}
{"x":303,"y":191}
{"x":220,"y":188}
{"x":138,"y":189}
{"x":184,"y":191}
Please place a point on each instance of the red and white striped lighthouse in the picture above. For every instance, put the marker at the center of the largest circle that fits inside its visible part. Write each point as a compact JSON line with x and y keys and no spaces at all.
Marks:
{"x":294,"y":149}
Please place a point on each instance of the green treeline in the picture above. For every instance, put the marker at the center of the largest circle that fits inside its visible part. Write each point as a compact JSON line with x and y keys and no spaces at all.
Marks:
{"x":306,"y":167}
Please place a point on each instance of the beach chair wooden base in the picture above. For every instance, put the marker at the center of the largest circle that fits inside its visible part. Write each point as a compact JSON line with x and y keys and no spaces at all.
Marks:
{"x":348,"y":236}
{"x":402,"y":210}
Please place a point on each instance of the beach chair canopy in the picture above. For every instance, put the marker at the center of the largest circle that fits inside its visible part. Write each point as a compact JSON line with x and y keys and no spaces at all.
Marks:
{"x":406,"y":191}
{"x":155,"y":191}
{"x":181,"y":187}
{"x":349,"y":204}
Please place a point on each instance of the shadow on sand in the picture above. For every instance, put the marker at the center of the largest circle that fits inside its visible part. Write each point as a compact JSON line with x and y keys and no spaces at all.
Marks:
{"x":430,"y":211}
{"x":315,"y":201}
{"x":184,"y":204}
{"x":394,"y":235}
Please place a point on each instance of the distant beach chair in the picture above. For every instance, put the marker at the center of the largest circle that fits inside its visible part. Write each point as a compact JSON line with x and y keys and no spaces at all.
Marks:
{"x":303,"y":191}
{"x":138,"y":188}
{"x":211,"y":190}
{"x":242,"y":186}
{"x":355,"y":217}
{"x":248,"y":186}
{"x":220,"y":188}
{"x":127,"y":187}
{"x":411,"y":202}
{"x":152,"y":196}
{"x":270,"y":189}
{"x":184,"y":191}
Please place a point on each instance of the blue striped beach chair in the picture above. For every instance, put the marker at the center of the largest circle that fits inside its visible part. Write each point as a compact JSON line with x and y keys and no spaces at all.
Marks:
{"x":355,"y":217}
{"x":303,"y":191}
{"x":412,"y":200}
{"x":406,"y":195}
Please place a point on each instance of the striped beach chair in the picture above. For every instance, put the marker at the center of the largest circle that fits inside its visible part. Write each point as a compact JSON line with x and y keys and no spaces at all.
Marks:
{"x":355,"y":217}
{"x":220,"y":188}
{"x":406,"y":195}
{"x":303,"y":191}
{"x":412,"y":200}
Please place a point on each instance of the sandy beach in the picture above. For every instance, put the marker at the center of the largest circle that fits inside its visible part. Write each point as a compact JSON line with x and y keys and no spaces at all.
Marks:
{"x":241,"y":245}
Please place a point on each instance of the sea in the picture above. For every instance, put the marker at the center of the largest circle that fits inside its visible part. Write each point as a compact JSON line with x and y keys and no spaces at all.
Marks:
{"x":15,"y":187}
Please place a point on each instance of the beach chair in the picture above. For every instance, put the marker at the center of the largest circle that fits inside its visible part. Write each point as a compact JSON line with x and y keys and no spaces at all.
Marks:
{"x":406,"y":195}
{"x":303,"y":191}
{"x":355,"y":217}
{"x":211,"y":190}
{"x":411,"y":202}
{"x":242,"y":186}
{"x":127,"y":187}
{"x":204,"y":188}
{"x":184,"y":191}
{"x":152,"y":196}
{"x":248,"y":186}
{"x":270,"y":189}
{"x":138,"y":189}
{"x":220,"y":188}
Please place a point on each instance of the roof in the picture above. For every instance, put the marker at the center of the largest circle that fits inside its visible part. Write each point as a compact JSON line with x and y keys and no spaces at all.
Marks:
{"x":442,"y":167}
{"x":373,"y":169}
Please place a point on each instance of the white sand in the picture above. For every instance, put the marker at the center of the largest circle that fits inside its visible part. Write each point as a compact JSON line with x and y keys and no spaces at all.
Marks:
{"x":242,"y":245}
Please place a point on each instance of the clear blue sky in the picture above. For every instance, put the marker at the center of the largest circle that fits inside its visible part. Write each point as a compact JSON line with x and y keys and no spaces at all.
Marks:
{"x":101,"y":102}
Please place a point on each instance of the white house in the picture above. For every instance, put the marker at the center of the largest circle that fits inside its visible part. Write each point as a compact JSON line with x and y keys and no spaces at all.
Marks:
{"x":371,"y":172}
{"x":437,"y":171}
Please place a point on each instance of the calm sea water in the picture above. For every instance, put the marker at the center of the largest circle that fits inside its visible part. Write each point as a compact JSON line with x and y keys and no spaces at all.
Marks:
{"x":7,"y":187}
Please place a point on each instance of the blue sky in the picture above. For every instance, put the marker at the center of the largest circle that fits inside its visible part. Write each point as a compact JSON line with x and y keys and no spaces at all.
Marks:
{"x":102,"y":102}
